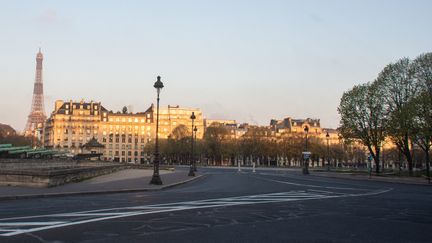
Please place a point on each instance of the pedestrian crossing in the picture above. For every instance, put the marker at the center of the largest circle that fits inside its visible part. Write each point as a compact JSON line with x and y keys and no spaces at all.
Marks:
{"x":21,"y":225}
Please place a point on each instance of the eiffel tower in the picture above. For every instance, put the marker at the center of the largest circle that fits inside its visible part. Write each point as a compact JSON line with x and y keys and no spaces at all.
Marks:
{"x":37,"y":117}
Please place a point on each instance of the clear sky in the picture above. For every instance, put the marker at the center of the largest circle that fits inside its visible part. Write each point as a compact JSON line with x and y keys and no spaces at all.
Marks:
{"x":244,"y":60}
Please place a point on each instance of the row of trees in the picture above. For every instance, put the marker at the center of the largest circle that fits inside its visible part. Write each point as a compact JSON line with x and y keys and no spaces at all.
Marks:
{"x":396,"y":105}
{"x":16,"y":140}
{"x":257,"y":145}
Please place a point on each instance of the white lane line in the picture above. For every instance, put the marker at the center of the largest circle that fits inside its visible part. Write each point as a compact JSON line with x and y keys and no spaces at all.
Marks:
{"x":313,"y":186}
{"x":31,"y":223}
{"x":315,"y":180}
{"x":86,"y":214}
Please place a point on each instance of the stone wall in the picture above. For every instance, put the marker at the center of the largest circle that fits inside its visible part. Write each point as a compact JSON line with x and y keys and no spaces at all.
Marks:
{"x":48,"y":173}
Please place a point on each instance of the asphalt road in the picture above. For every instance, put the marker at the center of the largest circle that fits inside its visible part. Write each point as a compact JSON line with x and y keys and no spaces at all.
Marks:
{"x":226,"y":206}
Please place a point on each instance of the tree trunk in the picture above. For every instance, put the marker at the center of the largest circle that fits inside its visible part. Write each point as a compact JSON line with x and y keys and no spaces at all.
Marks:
{"x":375,"y":156}
{"x":407,"y":152}
{"x":377,"y":161}
{"x":427,"y":165}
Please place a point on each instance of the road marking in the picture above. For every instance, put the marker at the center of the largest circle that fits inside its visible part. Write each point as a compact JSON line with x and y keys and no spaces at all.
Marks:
{"x":45,"y":222}
{"x":31,"y":223}
{"x":309,"y":185}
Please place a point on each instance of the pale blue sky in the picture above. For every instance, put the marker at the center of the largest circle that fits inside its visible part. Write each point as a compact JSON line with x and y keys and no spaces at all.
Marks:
{"x":244,"y":60}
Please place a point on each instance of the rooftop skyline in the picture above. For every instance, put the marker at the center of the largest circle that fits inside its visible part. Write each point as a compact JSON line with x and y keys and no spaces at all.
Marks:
{"x":245,"y":60}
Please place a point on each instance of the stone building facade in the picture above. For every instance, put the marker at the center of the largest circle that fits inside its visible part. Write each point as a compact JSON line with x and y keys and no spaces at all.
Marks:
{"x":124,"y":136}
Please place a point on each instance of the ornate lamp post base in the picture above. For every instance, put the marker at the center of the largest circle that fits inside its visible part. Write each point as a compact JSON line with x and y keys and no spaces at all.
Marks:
{"x":156,"y":180}
{"x":191,"y":171}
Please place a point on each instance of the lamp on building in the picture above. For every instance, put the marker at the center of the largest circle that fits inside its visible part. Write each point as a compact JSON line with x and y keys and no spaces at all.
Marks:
{"x":328,"y":151}
{"x":156,"y":180}
{"x":191,"y":169}
{"x":195,"y":132}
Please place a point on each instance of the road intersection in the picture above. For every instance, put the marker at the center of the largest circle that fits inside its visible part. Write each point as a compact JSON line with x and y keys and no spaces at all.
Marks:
{"x":223,"y":202}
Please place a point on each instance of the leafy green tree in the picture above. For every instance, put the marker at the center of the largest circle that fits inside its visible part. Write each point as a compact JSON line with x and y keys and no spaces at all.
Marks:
{"x":363,"y":118}
{"x":421,"y":106}
{"x":421,"y":111}
{"x":399,"y":87}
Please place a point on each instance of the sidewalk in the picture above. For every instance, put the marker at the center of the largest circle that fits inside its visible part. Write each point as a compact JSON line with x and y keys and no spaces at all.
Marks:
{"x":365,"y":177}
{"x":131,"y":180}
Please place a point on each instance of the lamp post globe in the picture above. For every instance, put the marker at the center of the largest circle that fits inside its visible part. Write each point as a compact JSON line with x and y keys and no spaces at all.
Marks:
{"x":156,"y":180}
{"x":191,"y":168}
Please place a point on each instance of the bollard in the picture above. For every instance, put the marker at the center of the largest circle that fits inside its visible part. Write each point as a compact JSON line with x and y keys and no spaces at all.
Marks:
{"x":253,"y":167}
{"x":239,"y":169}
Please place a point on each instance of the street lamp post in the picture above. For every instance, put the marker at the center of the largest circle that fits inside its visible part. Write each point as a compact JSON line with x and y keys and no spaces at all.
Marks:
{"x":195,"y":139}
{"x":306,"y":154}
{"x":156,"y":180}
{"x":191,"y":169}
{"x":328,"y":151}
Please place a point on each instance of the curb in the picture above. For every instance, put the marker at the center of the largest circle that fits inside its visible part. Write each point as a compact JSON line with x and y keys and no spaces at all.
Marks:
{"x":47,"y":195}
{"x":375,"y":179}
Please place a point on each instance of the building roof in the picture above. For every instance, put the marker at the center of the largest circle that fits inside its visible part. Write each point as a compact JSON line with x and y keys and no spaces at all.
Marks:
{"x":71,"y":105}
{"x":93,"y":143}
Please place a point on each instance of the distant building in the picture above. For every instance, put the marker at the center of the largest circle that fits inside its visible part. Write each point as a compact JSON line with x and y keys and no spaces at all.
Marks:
{"x":333,"y":138}
{"x":289,"y":125}
{"x":209,"y":122}
{"x":124,"y":136}
{"x":173,"y":116}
